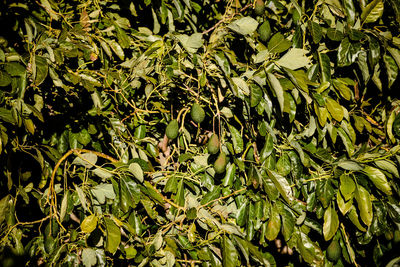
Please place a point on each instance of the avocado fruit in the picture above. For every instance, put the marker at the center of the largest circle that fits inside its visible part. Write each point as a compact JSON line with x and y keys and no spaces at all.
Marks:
{"x":213,"y":144}
{"x":172,"y":129}
{"x":220,"y":163}
{"x":197,"y":113}
{"x":259,"y":7}
{"x":334,"y":251}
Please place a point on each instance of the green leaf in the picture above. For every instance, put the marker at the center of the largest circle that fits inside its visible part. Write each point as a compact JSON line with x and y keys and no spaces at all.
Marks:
{"x":5,"y":79}
{"x":347,"y":186}
{"x":229,"y":176}
{"x":267,"y":149}
{"x":372,"y":12}
{"x":278,"y":43}
{"x":236,"y":139}
{"x":256,"y":94}
{"x":288,"y":222}
{"x":344,"y":54}
{"x":331,"y":222}
{"x":378,"y":178}
{"x":81,"y":196}
{"x":14,"y":69}
{"x":89,"y":257}
{"x":113,"y":235}
{"x":230,"y":256}
{"x":350,"y":165}
{"x":180,"y":194}
{"x":325,"y":67}
{"x":212,"y":195}
{"x":350,"y":11}
{"x":346,"y":141}
{"x":87,"y":160}
{"x":42,"y":69}
{"x":388,"y":165}
{"x":391,"y":69}
{"x":353,"y":216}
{"x":309,"y":250}
{"x":344,"y":206}
{"x":244,"y":26}
{"x":89,"y":223}
{"x":129,"y":192}
{"x":137,"y":171}
{"x":274,"y":225}
{"x":116,"y":48}
{"x":282,"y":185}
{"x":334,"y":108}
{"x":344,"y":91}
{"x":334,"y":34}
{"x":103,"y":191}
{"x":364,"y":203}
{"x":191,"y":43}
{"x":294,"y":59}
{"x":276,"y":85}
{"x":283,"y":166}
{"x":374,"y":51}
{"x":316,"y":31}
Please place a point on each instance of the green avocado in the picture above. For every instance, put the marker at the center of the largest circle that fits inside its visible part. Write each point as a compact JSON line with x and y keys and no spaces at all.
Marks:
{"x":220,"y":163}
{"x":259,"y":8}
{"x":197,"y":113}
{"x":172,"y":129}
{"x":213,"y":144}
{"x":334,"y":251}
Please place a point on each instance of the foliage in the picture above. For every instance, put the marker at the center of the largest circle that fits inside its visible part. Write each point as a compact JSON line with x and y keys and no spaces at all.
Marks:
{"x":301,"y":98}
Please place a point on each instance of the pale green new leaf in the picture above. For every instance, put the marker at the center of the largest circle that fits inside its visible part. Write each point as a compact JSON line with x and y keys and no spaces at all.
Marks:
{"x":244,"y":26}
{"x":294,"y":59}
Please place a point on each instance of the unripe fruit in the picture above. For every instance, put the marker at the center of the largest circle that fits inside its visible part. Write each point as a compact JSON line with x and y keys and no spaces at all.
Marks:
{"x":334,"y":251}
{"x":264,"y":31}
{"x":197,"y":113}
{"x":259,"y":8}
{"x":213,"y":144}
{"x":220,"y":163}
{"x":396,"y":236}
{"x":172,"y":129}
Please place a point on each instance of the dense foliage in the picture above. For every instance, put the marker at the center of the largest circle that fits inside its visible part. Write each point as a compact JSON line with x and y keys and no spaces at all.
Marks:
{"x":201,"y":133}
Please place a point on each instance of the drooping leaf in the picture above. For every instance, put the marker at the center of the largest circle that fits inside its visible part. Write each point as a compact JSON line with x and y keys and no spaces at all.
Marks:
{"x":277,"y":87}
{"x":113,"y":235}
{"x":331,"y":223}
{"x":282,"y":185}
{"x":364,"y":204}
{"x":378,"y":178}
{"x":230,"y":256}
